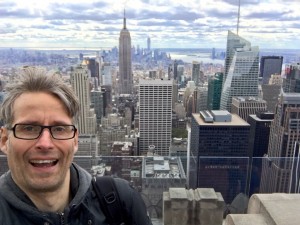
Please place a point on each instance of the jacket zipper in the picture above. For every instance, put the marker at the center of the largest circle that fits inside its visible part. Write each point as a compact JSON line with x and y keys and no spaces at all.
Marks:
{"x":62,"y":218}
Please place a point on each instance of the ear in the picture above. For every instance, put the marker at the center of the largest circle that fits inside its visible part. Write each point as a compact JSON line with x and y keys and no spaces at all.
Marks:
{"x":3,"y":139}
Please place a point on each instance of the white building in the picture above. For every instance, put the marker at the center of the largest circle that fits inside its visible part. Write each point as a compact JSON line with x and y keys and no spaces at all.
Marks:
{"x":80,"y":76}
{"x":155,"y":112}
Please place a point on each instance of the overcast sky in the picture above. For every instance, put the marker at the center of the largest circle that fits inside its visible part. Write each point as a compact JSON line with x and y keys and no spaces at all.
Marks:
{"x":169,"y":24}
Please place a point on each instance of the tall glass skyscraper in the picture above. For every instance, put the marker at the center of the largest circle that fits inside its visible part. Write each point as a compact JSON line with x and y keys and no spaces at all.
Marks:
{"x":241,"y":70}
{"x":125,"y":70}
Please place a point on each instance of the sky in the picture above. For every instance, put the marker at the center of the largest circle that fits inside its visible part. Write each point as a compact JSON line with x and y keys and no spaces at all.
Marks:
{"x":267,"y":24}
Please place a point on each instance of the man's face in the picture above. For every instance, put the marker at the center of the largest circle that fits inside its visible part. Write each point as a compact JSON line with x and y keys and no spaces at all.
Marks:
{"x":41,"y":164}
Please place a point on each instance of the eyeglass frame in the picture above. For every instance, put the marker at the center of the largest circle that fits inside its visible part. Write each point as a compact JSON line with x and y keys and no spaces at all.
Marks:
{"x":42,"y":129}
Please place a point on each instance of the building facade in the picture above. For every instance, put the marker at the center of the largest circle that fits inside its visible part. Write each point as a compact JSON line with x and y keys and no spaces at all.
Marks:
{"x":241,"y":70}
{"x":80,"y":82}
{"x":284,"y":135}
{"x":158,"y":175}
{"x":218,"y":151}
{"x":155,"y":115}
{"x":244,"y":106}
{"x":215,"y":84}
{"x":270,"y":65}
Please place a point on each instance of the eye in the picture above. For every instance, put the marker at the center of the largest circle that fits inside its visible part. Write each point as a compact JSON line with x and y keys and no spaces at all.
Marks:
{"x":27,"y":128}
{"x":59,"y":129}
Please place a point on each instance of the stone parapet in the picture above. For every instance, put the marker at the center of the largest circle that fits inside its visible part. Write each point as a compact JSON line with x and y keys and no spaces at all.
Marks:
{"x":269,"y":209}
{"x":202,"y":206}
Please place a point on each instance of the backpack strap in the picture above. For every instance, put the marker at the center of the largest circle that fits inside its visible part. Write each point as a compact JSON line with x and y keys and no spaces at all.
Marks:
{"x":108,"y":196}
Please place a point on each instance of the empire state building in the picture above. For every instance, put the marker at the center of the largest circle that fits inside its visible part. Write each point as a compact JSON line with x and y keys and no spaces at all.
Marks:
{"x":125,"y":72}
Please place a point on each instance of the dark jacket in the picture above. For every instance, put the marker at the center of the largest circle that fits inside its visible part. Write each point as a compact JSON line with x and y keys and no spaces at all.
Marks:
{"x":17,"y":209}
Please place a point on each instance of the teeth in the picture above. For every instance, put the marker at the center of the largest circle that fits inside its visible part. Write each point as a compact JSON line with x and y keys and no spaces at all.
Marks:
{"x":42,"y":161}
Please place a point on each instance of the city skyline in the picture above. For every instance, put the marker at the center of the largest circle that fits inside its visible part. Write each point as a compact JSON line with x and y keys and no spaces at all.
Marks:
{"x":169,"y":24}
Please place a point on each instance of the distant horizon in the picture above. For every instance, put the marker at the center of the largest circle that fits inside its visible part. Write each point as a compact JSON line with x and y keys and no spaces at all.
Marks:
{"x":109,"y":48}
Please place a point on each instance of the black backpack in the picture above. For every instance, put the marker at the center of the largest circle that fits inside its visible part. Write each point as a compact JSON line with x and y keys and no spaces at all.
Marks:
{"x":111,"y":206}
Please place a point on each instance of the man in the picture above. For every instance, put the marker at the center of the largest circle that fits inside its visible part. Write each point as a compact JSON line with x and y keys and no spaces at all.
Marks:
{"x":40,"y":139}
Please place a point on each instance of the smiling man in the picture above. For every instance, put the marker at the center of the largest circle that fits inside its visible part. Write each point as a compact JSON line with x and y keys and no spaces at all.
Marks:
{"x":40,"y":139}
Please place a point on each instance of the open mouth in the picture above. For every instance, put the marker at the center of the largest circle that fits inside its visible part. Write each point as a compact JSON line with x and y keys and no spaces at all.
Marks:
{"x":43,"y":163}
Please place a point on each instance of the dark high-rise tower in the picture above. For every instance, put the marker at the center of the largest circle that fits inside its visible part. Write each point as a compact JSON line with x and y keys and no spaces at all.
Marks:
{"x":214,"y":91}
{"x":219,"y":141}
{"x":125,"y":72}
{"x":270,"y":65}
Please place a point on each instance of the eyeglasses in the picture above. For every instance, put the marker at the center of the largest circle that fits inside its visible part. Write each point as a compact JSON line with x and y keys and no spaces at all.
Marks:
{"x":31,"y":132}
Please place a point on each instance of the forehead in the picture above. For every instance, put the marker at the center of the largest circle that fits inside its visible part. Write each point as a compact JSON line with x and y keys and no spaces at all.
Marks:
{"x":38,"y":102}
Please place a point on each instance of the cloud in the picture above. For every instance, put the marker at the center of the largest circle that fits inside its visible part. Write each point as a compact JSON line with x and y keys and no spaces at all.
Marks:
{"x":188,"y":22}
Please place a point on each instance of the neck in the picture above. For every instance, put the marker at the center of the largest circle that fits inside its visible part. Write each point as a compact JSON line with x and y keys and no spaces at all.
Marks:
{"x":52,"y":201}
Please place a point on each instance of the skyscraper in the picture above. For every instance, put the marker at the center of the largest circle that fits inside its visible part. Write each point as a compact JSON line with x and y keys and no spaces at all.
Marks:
{"x":277,"y":173}
{"x":217,"y":138}
{"x":196,"y":73}
{"x":214,"y":91}
{"x":291,"y":83}
{"x":125,"y":71}
{"x":284,"y":134}
{"x":148,"y":44}
{"x":81,"y":85}
{"x":241,"y":70}
{"x":258,"y":145}
{"x":244,"y":106}
{"x":233,"y":42}
{"x":270,"y":65}
{"x":155,"y":114}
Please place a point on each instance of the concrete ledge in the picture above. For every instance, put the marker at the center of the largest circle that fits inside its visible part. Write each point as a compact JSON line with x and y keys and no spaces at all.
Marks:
{"x":277,"y":208}
{"x":269,"y":209}
{"x":202,"y":206}
{"x":248,"y":219}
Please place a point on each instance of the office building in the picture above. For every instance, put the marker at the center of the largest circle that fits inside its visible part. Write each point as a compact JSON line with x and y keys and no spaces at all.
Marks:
{"x":270,"y":65}
{"x":215,"y":84}
{"x":244,"y":106}
{"x":88,"y":150}
{"x":234,"y":42}
{"x":271,"y":92}
{"x":106,"y":74}
{"x":200,"y":98}
{"x":175,"y":71}
{"x":196,"y":72}
{"x":291,"y":82}
{"x":241,"y":70}
{"x":260,"y":124}
{"x":93,"y":66}
{"x":284,"y":135}
{"x":155,"y":115}
{"x":125,"y":70}
{"x":97,"y":103}
{"x":158,"y":175}
{"x":81,"y":85}
{"x":148,"y":44}
{"x":218,"y":152}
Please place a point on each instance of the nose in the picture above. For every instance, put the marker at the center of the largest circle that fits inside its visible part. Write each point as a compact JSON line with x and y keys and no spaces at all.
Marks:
{"x":45,"y":139}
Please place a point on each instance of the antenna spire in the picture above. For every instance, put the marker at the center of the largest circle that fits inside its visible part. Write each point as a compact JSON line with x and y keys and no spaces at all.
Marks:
{"x":238,"y":19}
{"x":124,"y":20}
